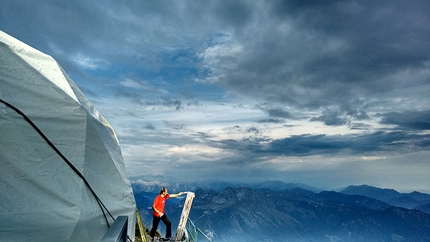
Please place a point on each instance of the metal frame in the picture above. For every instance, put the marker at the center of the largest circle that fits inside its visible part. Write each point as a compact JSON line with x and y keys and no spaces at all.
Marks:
{"x":118,"y":231}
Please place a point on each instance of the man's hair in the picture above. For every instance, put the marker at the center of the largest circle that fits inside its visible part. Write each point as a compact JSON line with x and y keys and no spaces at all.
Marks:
{"x":163,"y":190}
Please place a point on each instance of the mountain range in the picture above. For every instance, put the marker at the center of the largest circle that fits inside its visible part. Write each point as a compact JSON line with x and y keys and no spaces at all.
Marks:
{"x":297,"y":214}
{"x":413,"y":200}
{"x":140,"y":183}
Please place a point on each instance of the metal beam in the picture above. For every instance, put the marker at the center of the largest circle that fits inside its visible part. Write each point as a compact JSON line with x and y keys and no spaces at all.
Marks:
{"x":118,"y":231}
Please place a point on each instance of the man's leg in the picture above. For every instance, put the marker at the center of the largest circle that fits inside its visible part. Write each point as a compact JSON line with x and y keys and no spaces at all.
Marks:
{"x":168,"y":224}
{"x":155,"y":221}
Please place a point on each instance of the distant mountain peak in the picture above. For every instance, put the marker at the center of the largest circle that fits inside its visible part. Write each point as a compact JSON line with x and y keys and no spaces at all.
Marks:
{"x":406,"y":200}
{"x":382,"y":194}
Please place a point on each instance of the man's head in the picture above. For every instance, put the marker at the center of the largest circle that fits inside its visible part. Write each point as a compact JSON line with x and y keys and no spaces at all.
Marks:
{"x":163,"y":191}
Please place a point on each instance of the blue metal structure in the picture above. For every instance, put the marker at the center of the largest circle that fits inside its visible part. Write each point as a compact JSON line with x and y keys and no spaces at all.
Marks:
{"x":118,"y":231}
{"x":192,"y":232}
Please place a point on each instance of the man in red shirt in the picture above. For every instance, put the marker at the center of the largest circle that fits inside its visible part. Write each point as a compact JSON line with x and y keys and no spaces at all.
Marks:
{"x":158,"y":214}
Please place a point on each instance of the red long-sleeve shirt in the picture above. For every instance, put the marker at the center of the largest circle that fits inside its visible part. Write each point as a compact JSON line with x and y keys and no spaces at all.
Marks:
{"x":159,"y":203}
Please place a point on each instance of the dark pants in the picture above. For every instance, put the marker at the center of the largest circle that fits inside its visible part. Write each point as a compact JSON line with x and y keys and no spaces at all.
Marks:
{"x":166,"y":221}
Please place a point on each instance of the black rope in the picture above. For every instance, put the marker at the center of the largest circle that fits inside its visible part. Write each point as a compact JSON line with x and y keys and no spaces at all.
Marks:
{"x":101,"y":205}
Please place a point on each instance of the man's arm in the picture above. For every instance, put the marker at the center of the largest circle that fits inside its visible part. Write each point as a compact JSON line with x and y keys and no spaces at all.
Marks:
{"x":176,"y":195}
{"x":156,"y":211}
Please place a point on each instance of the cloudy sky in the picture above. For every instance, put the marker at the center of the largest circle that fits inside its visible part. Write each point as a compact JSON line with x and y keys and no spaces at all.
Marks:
{"x":327,"y":93}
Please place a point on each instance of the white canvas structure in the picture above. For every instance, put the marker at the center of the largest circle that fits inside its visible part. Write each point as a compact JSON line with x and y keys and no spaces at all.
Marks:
{"x":42,"y":197}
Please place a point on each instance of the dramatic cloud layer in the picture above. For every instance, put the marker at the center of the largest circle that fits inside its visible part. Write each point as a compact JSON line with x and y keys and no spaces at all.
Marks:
{"x":328,"y":93}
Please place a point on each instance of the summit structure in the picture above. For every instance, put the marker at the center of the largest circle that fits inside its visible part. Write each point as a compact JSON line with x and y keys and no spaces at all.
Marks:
{"x":62,"y":174}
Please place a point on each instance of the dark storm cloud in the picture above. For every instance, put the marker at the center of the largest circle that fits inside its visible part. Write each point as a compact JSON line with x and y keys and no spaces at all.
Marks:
{"x":270,"y":120}
{"x":327,"y":53}
{"x":132,"y":34}
{"x":163,"y":102}
{"x":279,"y":113}
{"x":344,"y":114}
{"x":309,"y":145}
{"x":72,"y":26}
{"x":383,"y":35}
{"x":306,"y":145}
{"x":233,"y":14}
{"x":276,"y":115}
{"x":149,"y":126}
{"x":417,"y":120}
{"x":309,"y":54}
{"x":331,"y":118}
{"x":253,"y":130}
{"x":359,"y":126}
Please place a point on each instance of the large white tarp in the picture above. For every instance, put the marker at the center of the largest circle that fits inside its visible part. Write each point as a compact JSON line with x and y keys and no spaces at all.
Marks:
{"x":41,"y":197}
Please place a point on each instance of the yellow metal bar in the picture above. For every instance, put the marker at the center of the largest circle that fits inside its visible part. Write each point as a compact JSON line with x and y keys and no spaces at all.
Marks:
{"x":139,"y":223}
